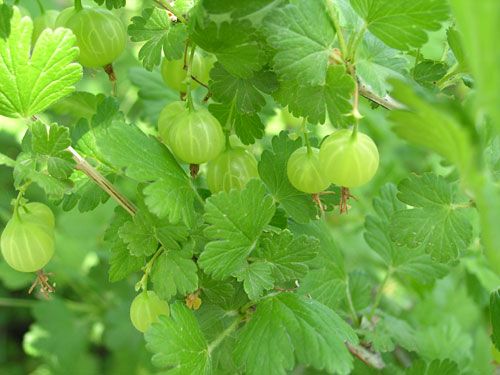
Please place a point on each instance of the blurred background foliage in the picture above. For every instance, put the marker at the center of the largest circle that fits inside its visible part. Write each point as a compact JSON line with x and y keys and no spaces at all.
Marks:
{"x":86,"y":327}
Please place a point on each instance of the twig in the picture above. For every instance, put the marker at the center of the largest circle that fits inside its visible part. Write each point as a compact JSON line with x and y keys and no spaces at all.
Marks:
{"x":101,"y":181}
{"x":199,"y":82}
{"x":387,"y":101}
{"x":98,"y":178}
{"x":169,"y":9}
{"x":371,"y":359}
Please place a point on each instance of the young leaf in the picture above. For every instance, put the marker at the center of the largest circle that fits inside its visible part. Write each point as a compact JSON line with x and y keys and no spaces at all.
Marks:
{"x":178,"y":343}
{"x":27,"y":169}
{"x":402,"y":24}
{"x":436,"y":222}
{"x":236,"y":222}
{"x":303,"y":35}
{"x":287,"y":254}
{"x":51,"y":145}
{"x":32,"y":81}
{"x":495,"y":317}
{"x":175,"y":272}
{"x":292,"y":327}
{"x":160,"y":34}
{"x":401,"y":260}
{"x":272,"y":171}
{"x":256,"y":278}
{"x":315,"y":102}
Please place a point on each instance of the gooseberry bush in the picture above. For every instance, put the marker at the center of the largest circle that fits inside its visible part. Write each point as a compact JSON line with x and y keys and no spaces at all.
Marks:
{"x":249,"y":187}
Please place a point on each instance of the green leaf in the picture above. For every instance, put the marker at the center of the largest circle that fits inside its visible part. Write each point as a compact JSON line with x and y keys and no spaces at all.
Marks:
{"x":139,"y":235}
{"x":456,"y":45}
{"x":236,"y":222}
{"x":287,"y":254}
{"x":324,"y":285}
{"x":428,"y":72}
{"x":246,"y":94}
{"x":402,"y":24}
{"x":178,"y":343}
{"x":289,"y":328}
{"x":376,"y":63}
{"x":329,"y":254}
{"x":495,"y":317}
{"x":478,"y":22}
{"x":110,"y":4}
{"x":302,"y":35}
{"x":272,"y":171}
{"x":379,"y":337}
{"x":51,"y":145}
{"x":174,"y":272}
{"x":143,"y":234}
{"x":85,"y":193}
{"x":315,"y":102}
{"x":6,"y":13}
{"x":122,"y":263}
{"x":445,"y":340}
{"x":256,"y":278}
{"x":426,"y":123}
{"x":247,"y":126}
{"x":401,"y":260}
{"x":436,"y":367}
{"x":436,"y":222}
{"x":145,"y":159}
{"x":80,"y":104}
{"x":32,"y":81}
{"x":5,"y":160}
{"x":153,"y":93}
{"x":160,"y":34}
{"x":48,"y":338}
{"x":233,"y":43}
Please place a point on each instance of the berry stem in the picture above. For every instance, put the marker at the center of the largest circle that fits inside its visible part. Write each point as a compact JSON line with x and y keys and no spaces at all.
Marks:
{"x":20,"y":195}
{"x":78,"y":5}
{"x":189,"y":97}
{"x":143,"y":283}
{"x":380,"y":292}
{"x":42,"y":9}
{"x":219,"y":339}
{"x":334,"y":16}
{"x":307,"y":143}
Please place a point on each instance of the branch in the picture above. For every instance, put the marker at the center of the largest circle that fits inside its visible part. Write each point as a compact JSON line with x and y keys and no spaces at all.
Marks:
{"x":387,"y":101}
{"x":371,"y":359}
{"x":169,"y":9}
{"x":101,"y":181}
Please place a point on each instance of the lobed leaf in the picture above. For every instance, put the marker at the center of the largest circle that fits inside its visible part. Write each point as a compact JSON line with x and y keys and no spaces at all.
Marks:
{"x":236,"y":222}
{"x":32,"y":81}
